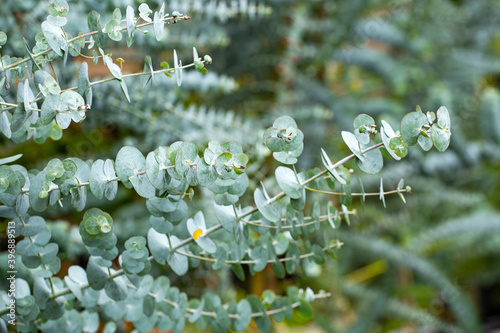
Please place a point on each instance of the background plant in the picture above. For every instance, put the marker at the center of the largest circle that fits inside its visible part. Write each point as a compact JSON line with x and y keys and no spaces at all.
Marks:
{"x":328,"y":78}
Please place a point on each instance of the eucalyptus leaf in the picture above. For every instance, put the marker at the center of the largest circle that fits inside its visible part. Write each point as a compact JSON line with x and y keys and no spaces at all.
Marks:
{"x":288,"y":181}
{"x":260,"y":255}
{"x":362,"y":124}
{"x":96,"y":275}
{"x":330,"y":167}
{"x":113,"y":68}
{"x":113,"y":29}
{"x":289,"y":156}
{"x":280,"y":303}
{"x":441,"y":130}
{"x":381,"y":195}
{"x":270,"y":210}
{"x":178,"y":69}
{"x":226,"y":216}
{"x":353,"y":144}
{"x":372,"y":161}
{"x":220,"y":256}
{"x":262,"y":321}
{"x":55,"y":37}
{"x":411,"y":125}
{"x":206,"y":174}
{"x":158,"y":23}
{"x":387,"y":133}
{"x":157,"y":243}
{"x":5,"y":127}
{"x":129,"y":162}
{"x":97,"y":179}
{"x":304,"y":309}
{"x":177,"y":262}
{"x":123,"y":86}
{"x":37,"y":202}
{"x":157,"y":163}
{"x":425,"y":143}
{"x":94,"y":24}
{"x":130,"y":21}
{"x":244,"y":312}
{"x":161,"y":225}
{"x":116,"y":289}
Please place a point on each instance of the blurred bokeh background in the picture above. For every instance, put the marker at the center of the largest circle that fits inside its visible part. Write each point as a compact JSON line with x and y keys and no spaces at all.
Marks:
{"x":431,"y":265}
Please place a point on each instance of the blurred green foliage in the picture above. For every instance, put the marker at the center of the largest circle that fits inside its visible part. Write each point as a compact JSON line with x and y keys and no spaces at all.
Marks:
{"x":430,"y":265}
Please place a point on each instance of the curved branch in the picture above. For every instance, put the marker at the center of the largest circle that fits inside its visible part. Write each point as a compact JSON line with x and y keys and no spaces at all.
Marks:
{"x":354,"y":194}
{"x":230,"y":315}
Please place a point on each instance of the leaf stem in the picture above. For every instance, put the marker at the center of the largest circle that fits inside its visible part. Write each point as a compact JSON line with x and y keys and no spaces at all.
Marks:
{"x":8,"y":104}
{"x":55,"y":74}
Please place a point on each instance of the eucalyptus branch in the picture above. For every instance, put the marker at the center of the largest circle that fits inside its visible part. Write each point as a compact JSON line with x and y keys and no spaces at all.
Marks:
{"x":39,"y":54}
{"x":342,"y":161}
{"x":251,"y":262}
{"x":321,"y":218}
{"x":120,"y":272}
{"x":355,"y":194}
{"x":164,"y":178}
{"x":319,"y":174}
{"x":11,"y":106}
{"x":168,"y":70}
{"x":275,"y":198}
{"x":230,"y":315}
